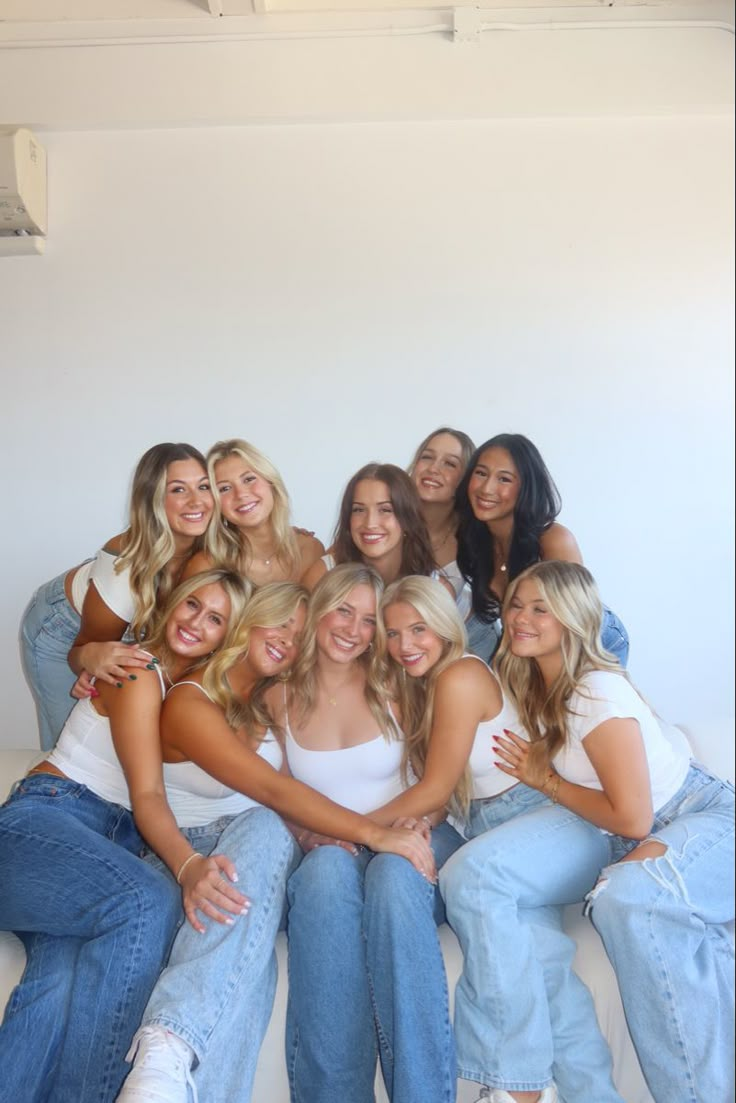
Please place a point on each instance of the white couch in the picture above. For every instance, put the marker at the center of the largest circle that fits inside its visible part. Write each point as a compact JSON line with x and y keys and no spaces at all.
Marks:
{"x":712,"y":746}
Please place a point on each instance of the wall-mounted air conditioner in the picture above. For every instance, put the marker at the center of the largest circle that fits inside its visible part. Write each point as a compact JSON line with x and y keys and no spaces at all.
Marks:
{"x":22,"y":192}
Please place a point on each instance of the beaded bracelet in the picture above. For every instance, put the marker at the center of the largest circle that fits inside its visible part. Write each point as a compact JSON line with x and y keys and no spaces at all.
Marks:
{"x":184,"y":865}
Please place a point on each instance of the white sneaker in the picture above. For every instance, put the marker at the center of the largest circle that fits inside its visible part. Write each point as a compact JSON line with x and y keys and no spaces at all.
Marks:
{"x":498,"y":1095}
{"x":162,"y":1069}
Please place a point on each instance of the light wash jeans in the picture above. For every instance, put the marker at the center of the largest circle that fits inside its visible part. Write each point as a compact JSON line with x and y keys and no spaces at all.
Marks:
{"x":522,"y":1016}
{"x":48,"y":629}
{"x":614,"y":637}
{"x":96,"y":922}
{"x":366,"y":974}
{"x":663,"y":921}
{"x":217,"y":990}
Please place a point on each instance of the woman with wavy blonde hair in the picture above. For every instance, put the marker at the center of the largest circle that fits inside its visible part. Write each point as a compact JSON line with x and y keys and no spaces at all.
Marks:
{"x":252,"y":531}
{"x":65,"y":627}
{"x":365,"y":970}
{"x":222,"y":766}
{"x":602,"y":776}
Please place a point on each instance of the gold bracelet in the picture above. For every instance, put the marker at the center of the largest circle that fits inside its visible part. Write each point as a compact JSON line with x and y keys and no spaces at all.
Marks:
{"x":184,"y":864}
{"x":553,"y":789}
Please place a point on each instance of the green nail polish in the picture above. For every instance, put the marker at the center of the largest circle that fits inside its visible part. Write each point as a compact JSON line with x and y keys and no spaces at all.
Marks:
{"x":119,"y":685}
{"x":132,"y":677}
{"x":150,"y":666}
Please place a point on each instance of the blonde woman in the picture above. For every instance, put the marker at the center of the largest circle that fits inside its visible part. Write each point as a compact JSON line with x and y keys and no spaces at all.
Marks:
{"x":252,"y":532}
{"x":95,"y":920}
{"x":222,"y":766}
{"x":454,"y":710}
{"x":66,"y":626}
{"x":632,"y":798}
{"x":366,"y":973}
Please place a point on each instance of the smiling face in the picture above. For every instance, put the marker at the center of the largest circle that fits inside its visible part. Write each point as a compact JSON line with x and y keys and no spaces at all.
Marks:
{"x":346,"y":632}
{"x":188,"y":501}
{"x":533,"y":632}
{"x":410,"y":641}
{"x":246,"y":498}
{"x":374,"y":528}
{"x":494,"y":486}
{"x":439,"y":468}
{"x":198,"y":624}
{"x":273,"y":651}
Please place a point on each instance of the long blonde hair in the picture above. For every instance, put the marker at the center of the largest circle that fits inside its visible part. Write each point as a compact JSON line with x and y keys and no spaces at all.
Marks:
{"x":571,"y":596}
{"x":270,"y":606}
{"x":329,"y":593}
{"x":238,"y":591}
{"x":148,"y":544}
{"x":438,"y":611}
{"x":225,"y":543}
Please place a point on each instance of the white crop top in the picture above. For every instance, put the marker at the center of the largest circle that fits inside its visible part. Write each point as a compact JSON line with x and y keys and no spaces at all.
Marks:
{"x":112,"y":586}
{"x":488,"y":780}
{"x":605,"y":695}
{"x":85,"y":752}
{"x":360,"y":778}
{"x":196,"y":798}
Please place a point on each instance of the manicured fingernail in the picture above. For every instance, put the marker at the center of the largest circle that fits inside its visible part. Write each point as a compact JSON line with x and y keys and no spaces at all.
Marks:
{"x":132,"y":677}
{"x":150,"y":666}
{"x":229,"y":921}
{"x":155,"y":660}
{"x":119,"y":685}
{"x":245,"y":909}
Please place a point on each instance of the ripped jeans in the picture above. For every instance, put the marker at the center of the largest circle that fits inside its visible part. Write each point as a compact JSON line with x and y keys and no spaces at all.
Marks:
{"x":664,"y":922}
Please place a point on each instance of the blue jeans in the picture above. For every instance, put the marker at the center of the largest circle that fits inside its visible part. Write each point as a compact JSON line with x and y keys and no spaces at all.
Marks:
{"x":614,"y":637}
{"x":48,"y":629}
{"x":96,"y":922}
{"x":522,"y":1016}
{"x":483,"y":637}
{"x":217,"y":990}
{"x":663,"y":921}
{"x":366,"y":975}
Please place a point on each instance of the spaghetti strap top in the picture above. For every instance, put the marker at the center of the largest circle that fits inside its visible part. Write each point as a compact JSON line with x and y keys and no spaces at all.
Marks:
{"x":487,"y":779}
{"x":196,"y":798}
{"x":361,"y":778}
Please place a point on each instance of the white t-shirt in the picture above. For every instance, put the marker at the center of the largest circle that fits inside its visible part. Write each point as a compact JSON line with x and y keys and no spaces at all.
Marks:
{"x":604,"y":695}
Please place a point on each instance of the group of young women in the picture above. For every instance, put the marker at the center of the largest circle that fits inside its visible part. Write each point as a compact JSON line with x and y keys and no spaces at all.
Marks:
{"x":267,"y":734}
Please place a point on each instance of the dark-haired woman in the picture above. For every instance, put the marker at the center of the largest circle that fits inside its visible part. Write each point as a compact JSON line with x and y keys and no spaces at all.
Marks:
{"x":508,"y":503}
{"x":89,"y":608}
{"x":380,"y":525}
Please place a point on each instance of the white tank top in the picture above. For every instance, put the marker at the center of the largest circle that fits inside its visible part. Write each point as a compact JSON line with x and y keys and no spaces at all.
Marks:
{"x":196,"y":798}
{"x":488,"y":780}
{"x":85,"y":752}
{"x":360,"y":778}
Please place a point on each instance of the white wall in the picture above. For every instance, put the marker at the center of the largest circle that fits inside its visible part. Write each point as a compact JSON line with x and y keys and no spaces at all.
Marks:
{"x":334,"y":292}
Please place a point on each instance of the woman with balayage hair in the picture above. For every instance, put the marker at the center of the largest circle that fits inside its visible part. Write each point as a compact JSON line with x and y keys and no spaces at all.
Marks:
{"x":366,"y":973}
{"x":75,"y":622}
{"x":252,"y":531}
{"x":614,"y":792}
{"x":507,"y":504}
{"x":95,"y":920}
{"x":454,"y":709}
{"x":223,"y":770}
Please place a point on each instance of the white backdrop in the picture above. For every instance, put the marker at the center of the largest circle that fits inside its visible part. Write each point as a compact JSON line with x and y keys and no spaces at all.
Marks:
{"x":332,"y":293}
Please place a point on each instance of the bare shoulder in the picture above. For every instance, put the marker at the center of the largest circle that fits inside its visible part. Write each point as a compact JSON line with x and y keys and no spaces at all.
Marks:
{"x":200,"y":561}
{"x":557,"y":542}
{"x":273,"y":699}
{"x":310,"y":549}
{"x":312,"y":575}
{"x":115,"y":544}
{"x":468,"y":675}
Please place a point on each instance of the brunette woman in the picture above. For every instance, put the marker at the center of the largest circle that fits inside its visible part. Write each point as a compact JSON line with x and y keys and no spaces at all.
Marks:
{"x":366,"y":973}
{"x":222,"y":771}
{"x":454,"y":710}
{"x":381,"y":525}
{"x":95,"y":920}
{"x":252,"y":532}
{"x":65,"y":627}
{"x":508,"y":504}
